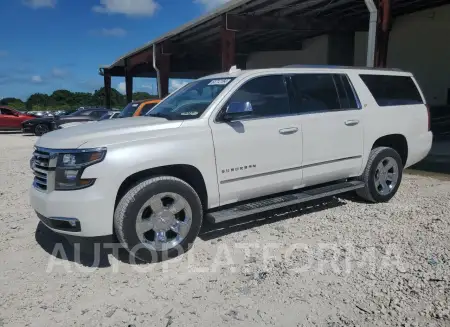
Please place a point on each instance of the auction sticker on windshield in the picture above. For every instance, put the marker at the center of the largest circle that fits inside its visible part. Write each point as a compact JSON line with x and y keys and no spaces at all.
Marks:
{"x":220,"y":81}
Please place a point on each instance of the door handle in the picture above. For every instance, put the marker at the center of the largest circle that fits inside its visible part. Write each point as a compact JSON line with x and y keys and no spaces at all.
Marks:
{"x":352,"y":122}
{"x":287,"y":131}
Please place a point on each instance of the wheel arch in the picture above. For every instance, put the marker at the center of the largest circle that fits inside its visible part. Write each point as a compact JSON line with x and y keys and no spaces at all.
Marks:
{"x":188,"y":173}
{"x":397,"y":142}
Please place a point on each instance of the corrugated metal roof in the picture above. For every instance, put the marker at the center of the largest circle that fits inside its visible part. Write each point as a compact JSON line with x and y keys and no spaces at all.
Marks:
{"x":202,"y":35}
{"x":219,"y":11}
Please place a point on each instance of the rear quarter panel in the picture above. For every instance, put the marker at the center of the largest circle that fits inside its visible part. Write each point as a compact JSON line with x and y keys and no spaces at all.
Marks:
{"x":410,"y":121}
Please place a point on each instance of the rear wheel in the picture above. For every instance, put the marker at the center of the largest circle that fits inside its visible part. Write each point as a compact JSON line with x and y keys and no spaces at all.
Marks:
{"x":382,"y":176}
{"x":41,"y":129}
{"x":159,"y":218}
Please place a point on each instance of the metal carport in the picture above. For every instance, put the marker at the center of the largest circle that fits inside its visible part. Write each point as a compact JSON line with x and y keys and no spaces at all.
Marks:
{"x":227,"y":36}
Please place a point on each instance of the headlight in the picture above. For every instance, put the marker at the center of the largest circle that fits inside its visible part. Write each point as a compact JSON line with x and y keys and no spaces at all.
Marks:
{"x":70,"y":167}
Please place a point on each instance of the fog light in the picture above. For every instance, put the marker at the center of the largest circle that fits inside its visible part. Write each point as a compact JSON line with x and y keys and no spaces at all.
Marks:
{"x":71,"y":175}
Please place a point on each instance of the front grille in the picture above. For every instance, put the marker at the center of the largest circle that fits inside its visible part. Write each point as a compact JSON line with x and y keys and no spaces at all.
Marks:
{"x":43,"y":165}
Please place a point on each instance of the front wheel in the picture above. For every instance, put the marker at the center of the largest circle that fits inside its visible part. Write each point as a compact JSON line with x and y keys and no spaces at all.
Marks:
{"x":41,"y":129}
{"x":159,"y":218}
{"x":382,"y":176}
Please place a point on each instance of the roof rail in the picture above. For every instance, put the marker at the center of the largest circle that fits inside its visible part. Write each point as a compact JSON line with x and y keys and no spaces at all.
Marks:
{"x":341,"y":67}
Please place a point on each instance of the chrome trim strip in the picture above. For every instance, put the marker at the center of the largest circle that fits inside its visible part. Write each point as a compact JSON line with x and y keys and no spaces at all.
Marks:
{"x":40,"y":155}
{"x":57,"y":151}
{"x":40,"y":170}
{"x":288,"y":169}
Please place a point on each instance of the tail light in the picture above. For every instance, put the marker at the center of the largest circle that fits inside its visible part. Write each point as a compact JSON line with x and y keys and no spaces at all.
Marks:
{"x":429,"y":117}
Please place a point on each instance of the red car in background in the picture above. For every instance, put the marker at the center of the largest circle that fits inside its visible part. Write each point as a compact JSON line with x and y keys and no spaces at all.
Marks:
{"x":11,"y":119}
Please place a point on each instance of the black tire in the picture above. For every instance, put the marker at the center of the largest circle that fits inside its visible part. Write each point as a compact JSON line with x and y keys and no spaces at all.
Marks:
{"x":369,"y":192}
{"x":126,"y":214}
{"x":41,"y":129}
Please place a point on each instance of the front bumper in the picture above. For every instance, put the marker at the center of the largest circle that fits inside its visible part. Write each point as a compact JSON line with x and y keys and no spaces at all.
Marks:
{"x":89,"y":208}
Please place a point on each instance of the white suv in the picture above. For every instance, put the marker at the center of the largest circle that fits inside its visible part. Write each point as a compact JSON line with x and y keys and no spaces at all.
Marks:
{"x":230,"y":145}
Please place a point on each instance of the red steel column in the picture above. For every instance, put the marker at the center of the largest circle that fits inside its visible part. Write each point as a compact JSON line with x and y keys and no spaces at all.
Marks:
{"x":163,"y":76}
{"x":383,"y":33}
{"x":129,"y":85}
{"x":228,"y":47}
{"x":107,"y":81}
{"x":162,"y":62}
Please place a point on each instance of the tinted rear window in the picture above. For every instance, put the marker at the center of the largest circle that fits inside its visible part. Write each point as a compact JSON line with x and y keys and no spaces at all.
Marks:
{"x":315,"y":92}
{"x":347,"y":96}
{"x":392,"y":90}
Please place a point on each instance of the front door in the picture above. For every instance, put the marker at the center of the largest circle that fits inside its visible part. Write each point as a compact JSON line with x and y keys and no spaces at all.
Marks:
{"x":9,"y":119}
{"x":261,"y":154}
{"x":332,"y":124}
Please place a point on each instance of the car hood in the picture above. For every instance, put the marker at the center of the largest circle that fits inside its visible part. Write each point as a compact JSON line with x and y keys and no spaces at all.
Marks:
{"x":28,"y":116}
{"x":65,"y":125}
{"x":106,"y":132}
{"x":33,"y":120}
{"x":70,"y":118}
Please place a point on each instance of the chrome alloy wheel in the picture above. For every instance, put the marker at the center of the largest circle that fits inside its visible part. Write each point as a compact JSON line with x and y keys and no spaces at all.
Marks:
{"x":386,"y":176}
{"x":164,"y":221}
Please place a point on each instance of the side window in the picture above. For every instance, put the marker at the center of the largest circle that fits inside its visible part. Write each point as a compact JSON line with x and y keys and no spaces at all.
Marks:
{"x":390,"y":90}
{"x":267,"y":95}
{"x":7,"y":112}
{"x":147,"y":108}
{"x":97,"y":113}
{"x":314,"y":92}
{"x":347,"y":96}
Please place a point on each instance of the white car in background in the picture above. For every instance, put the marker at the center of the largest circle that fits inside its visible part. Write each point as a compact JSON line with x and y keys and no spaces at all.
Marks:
{"x":107,"y":116}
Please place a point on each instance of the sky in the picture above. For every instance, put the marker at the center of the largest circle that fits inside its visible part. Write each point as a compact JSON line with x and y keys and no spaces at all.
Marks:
{"x":60,"y":44}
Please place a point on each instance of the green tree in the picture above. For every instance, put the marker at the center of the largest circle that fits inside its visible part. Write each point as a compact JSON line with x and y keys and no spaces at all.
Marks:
{"x":9,"y":101}
{"x":65,"y":99}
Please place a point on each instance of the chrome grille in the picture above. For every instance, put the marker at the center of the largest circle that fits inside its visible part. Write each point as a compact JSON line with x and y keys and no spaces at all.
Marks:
{"x":43,"y":164}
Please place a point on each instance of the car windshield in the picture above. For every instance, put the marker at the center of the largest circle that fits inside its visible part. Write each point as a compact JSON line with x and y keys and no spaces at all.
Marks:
{"x":129,"y":110}
{"x":191,"y":101}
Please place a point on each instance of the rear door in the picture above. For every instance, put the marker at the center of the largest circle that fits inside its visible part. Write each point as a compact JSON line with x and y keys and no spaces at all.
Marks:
{"x":332,"y":126}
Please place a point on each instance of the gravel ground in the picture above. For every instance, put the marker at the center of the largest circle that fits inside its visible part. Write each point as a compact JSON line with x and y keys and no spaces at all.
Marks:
{"x":338,"y":263}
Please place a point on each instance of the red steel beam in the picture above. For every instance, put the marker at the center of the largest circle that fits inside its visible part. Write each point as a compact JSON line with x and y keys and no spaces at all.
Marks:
{"x":145,"y":56}
{"x":107,"y":82}
{"x":228,"y":46}
{"x":383,"y":32}
{"x":128,"y":85}
{"x":162,"y":62}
